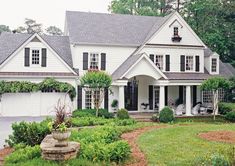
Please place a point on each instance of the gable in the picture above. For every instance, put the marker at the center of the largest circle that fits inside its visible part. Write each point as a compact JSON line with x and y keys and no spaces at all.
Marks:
{"x":143,"y":66}
{"x":15,"y":63}
{"x":166,"y":32}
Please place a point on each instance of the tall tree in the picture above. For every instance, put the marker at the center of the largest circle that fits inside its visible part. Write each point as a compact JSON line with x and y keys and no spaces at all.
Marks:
{"x":53,"y":30}
{"x":213,"y":21}
{"x":144,"y":7}
{"x":31,"y":26}
{"x":4,"y":28}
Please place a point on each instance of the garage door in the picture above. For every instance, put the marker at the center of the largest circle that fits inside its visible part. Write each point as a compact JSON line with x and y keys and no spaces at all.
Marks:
{"x":30,"y":104}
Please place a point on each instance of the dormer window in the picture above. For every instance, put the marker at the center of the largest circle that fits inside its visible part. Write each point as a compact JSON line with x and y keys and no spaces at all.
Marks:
{"x":214,"y":65}
{"x":189,"y":63}
{"x":35,"y":57}
{"x":176,"y":31}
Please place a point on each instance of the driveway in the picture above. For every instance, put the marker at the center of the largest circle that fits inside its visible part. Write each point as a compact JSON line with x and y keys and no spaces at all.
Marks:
{"x":5,"y":125}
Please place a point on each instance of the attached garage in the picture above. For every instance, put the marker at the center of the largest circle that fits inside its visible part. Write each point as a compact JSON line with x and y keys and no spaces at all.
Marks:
{"x":30,"y":104}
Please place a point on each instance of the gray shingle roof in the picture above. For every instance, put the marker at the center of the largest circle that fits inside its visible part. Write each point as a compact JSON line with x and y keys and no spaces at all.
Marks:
{"x":9,"y":43}
{"x":111,"y":29}
{"x":207,"y":52}
{"x":125,"y":66}
{"x":226,"y":70}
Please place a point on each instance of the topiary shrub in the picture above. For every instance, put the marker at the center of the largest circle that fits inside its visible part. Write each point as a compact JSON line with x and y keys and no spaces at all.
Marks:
{"x":230,"y":116}
{"x":226,"y":107}
{"x":123,"y":114}
{"x":166,"y":115}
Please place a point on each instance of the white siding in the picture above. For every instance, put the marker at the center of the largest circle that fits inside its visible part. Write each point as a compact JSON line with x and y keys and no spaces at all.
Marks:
{"x":175,"y":53}
{"x":16,"y":63}
{"x":164,"y":35}
{"x":115,"y":56}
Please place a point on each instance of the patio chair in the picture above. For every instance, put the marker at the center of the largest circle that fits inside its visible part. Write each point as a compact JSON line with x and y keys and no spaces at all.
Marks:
{"x":180,"y":109}
{"x":196,"y":109}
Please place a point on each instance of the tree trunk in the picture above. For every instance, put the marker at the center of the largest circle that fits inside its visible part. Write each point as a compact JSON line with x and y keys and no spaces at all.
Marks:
{"x":215,"y":103}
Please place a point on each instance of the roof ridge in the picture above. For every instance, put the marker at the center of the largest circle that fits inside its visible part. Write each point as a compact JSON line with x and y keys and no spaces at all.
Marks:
{"x":113,"y":14}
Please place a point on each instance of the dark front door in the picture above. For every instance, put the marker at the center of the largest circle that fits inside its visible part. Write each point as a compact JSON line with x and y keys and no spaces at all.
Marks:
{"x":131,"y":96}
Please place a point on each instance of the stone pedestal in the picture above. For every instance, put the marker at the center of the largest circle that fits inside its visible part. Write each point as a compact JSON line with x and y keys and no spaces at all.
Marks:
{"x":51,"y":152}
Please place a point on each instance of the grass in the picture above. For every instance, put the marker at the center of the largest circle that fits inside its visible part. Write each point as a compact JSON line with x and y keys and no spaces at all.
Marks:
{"x":205,"y":119}
{"x":179,"y":145}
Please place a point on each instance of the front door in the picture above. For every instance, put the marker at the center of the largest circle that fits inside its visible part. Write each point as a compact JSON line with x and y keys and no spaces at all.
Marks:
{"x":131,"y":96}
{"x":156,"y":92}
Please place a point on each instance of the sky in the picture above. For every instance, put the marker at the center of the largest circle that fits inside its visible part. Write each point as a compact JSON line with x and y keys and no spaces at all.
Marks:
{"x":47,"y":12}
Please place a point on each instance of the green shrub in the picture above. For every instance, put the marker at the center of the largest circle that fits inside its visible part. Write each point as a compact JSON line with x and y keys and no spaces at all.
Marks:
{"x":166,"y":115}
{"x":119,"y":151}
{"x":92,"y":112}
{"x":226,"y":107}
{"x":89,"y":121}
{"x":114,"y":103}
{"x":28,"y":133}
{"x":124,"y":122}
{"x":123,"y":114}
{"x":230,"y":116}
{"x":24,"y":154}
{"x":155,"y":117}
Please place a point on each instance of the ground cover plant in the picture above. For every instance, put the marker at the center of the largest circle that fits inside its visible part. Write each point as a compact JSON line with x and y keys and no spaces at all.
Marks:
{"x":101,"y":144}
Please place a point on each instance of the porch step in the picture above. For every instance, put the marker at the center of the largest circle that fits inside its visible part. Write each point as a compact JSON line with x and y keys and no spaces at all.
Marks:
{"x":141,"y":117}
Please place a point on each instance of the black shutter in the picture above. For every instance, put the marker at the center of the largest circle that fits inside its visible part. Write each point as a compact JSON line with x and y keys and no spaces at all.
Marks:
{"x":106,"y":99}
{"x":85,"y":60}
{"x":182,"y":63}
{"x":44,"y":57}
{"x":167,"y":62}
{"x":151,"y":56}
{"x":197,"y":63}
{"x":166,"y":95}
{"x":150,"y":97}
{"x":181,"y":94}
{"x":194,"y":95}
{"x":79,"y":99}
{"x":103,"y":61}
{"x":26,"y":56}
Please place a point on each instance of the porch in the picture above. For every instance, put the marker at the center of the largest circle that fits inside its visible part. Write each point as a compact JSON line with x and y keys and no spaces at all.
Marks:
{"x":145,"y":94}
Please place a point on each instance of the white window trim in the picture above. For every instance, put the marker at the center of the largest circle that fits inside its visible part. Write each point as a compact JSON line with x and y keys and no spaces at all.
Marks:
{"x":163,"y":60}
{"x":99,"y":59}
{"x":193,"y":69}
{"x":40,"y":57}
{"x":216,"y":65}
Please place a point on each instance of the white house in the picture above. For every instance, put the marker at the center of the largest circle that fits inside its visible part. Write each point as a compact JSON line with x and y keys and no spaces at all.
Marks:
{"x":154,"y":61}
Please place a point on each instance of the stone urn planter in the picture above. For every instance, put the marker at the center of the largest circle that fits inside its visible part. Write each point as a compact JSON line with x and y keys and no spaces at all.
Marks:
{"x":61,"y":137}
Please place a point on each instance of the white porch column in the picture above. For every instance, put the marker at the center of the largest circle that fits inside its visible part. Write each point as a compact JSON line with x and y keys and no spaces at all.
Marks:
{"x":161,"y":98}
{"x":188,"y":101}
{"x":121,"y":98}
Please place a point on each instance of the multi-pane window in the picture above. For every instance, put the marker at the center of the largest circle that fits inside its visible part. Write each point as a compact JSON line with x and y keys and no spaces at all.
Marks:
{"x":88,"y":99}
{"x":35,"y":57}
{"x":176,"y":31}
{"x":214,"y":65}
{"x":94,"y":61}
{"x":159,"y":61}
{"x":207,"y":96}
{"x":189,"y":63}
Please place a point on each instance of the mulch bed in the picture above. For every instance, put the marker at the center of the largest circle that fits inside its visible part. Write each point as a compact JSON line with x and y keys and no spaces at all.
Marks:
{"x":4,"y":152}
{"x":219,"y":136}
{"x":138,"y":156}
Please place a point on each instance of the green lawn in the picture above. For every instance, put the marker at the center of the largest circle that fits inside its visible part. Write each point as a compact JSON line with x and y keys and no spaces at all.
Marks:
{"x":179,"y":145}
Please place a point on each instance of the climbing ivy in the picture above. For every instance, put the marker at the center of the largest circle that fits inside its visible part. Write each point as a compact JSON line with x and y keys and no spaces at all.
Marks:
{"x":49,"y":84}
